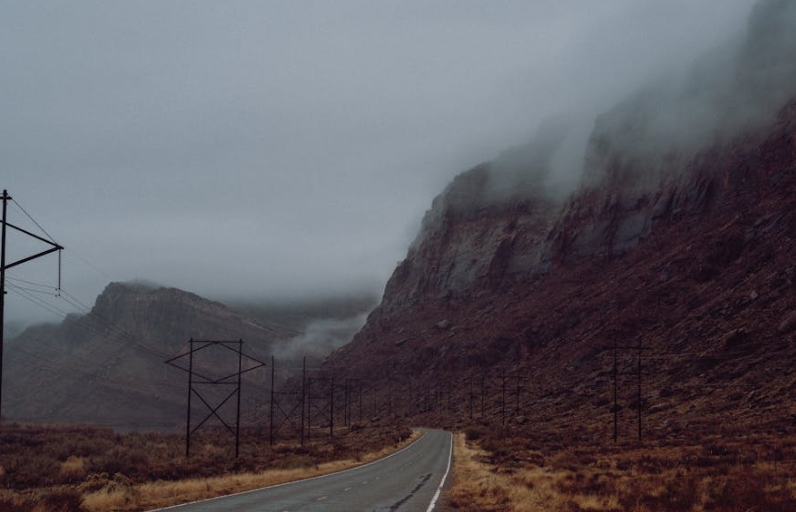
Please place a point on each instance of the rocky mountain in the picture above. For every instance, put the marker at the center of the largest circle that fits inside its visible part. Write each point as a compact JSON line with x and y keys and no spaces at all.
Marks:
{"x":108,"y":366}
{"x":679,"y":238}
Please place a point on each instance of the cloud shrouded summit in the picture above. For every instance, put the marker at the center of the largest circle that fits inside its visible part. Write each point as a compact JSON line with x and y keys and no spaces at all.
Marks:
{"x":288,"y":149}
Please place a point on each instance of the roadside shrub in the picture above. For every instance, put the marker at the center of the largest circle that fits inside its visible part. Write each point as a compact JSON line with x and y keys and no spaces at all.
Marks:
{"x":290,"y":461}
{"x":73,"y":468}
{"x":739,"y":494}
{"x":681,"y":494}
{"x":30,"y":471}
{"x":120,"y":460}
{"x":474,"y":433}
{"x":63,"y":500}
{"x":15,"y":505}
{"x":94,"y":482}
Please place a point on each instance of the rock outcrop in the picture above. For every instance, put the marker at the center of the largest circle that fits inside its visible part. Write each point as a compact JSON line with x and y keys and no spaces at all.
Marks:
{"x":679,"y":237}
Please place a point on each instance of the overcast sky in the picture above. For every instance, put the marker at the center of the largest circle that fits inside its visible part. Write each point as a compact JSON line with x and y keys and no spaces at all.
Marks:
{"x":266,"y":149}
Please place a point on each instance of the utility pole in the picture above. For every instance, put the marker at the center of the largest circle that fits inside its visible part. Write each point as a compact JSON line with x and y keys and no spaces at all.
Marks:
{"x":200,"y":378}
{"x":3,"y":294}
{"x":638,"y":391}
{"x":615,"y":377}
{"x":271,"y":422}
{"x":303,"y":396}
{"x":5,"y":266}
{"x":615,"y":373}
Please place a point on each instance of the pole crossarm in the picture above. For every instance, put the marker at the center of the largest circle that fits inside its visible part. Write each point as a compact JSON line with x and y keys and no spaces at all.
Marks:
{"x":235,"y":346}
{"x":34,"y":235}
{"x":226,"y":344}
{"x":29,"y":258}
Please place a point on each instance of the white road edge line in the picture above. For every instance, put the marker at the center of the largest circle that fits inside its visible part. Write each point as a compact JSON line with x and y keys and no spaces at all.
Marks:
{"x":423,"y":434}
{"x":442,"y":483}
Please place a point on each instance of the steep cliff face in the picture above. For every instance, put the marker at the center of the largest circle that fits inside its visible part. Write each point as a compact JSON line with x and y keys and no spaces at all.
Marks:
{"x":487,"y":227}
{"x":444,"y":310}
{"x":674,"y":149}
{"x":679,"y":238}
{"x":668,"y":151}
{"x":609,"y":218}
{"x":468,"y":241}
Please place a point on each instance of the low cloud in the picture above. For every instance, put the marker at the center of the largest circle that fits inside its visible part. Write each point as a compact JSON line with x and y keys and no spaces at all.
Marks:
{"x":320,"y":338}
{"x":276,"y":149}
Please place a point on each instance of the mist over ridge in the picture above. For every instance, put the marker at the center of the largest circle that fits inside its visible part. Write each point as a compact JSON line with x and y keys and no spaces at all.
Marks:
{"x":704,"y":101}
{"x":573,"y":194}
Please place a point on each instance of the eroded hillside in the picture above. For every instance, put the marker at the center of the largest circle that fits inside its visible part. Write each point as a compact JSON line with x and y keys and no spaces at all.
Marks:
{"x":677,"y":240}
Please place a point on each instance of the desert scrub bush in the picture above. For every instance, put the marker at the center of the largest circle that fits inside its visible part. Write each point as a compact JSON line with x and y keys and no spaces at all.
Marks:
{"x":56,"y":499}
{"x":569,"y":459}
{"x":681,"y":493}
{"x":14,"y":504}
{"x":73,"y":469}
{"x":474,"y":433}
{"x":481,"y":496}
{"x":742,"y":493}
{"x":81,"y":443}
{"x":94,"y":482}
{"x":601,"y":484}
{"x":120,"y":460}
{"x":35,"y":470}
{"x":61,"y":500}
{"x":292,"y":461}
{"x":105,"y":493}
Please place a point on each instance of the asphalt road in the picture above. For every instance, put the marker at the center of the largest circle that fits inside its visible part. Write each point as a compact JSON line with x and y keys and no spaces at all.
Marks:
{"x":407,"y":481}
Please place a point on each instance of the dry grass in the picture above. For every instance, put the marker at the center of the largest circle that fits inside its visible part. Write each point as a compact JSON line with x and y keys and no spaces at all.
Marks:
{"x":480,"y":486}
{"x":718,"y":476}
{"x":122,"y":497}
{"x":84,"y":469}
{"x":476,"y":487}
{"x":73,"y":468}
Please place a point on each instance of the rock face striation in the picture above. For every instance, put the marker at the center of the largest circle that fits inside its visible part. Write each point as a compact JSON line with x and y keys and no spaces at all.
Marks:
{"x":679,"y":236}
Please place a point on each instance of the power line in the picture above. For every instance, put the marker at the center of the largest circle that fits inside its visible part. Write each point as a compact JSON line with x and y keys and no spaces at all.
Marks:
{"x":111,"y":331}
{"x":14,"y":201}
{"x":89,"y":323}
{"x":85,"y":308}
{"x":38,"y":301}
{"x":32,"y":290}
{"x":90,"y":371}
{"x":30,"y":283}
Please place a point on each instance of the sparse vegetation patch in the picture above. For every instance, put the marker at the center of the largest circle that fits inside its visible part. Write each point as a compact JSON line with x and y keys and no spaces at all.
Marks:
{"x":499,"y":471}
{"x":87,"y":469}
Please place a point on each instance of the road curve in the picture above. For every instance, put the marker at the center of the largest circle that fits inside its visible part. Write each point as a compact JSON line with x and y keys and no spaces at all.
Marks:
{"x":407,"y":481}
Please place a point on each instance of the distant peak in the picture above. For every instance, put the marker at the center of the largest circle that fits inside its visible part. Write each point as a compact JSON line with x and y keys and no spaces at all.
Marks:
{"x":140,"y":283}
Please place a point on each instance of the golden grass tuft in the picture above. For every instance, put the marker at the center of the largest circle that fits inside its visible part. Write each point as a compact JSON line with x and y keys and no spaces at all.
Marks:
{"x":73,"y":468}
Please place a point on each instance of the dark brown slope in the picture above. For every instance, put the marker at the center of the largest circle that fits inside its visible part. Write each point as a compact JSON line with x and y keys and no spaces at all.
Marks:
{"x":710,"y":293}
{"x":686,"y":249}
